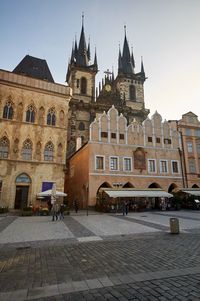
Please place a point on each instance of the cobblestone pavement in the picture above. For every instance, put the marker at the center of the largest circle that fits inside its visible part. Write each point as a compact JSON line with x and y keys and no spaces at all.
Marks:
{"x":142,"y":265}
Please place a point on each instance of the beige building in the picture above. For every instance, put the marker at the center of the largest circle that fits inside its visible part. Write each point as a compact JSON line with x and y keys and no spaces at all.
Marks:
{"x":137,"y":155}
{"x":33,"y":132}
{"x":189,"y":127}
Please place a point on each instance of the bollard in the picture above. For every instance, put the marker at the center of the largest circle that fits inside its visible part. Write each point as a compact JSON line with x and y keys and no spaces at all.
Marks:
{"x":174,"y":225}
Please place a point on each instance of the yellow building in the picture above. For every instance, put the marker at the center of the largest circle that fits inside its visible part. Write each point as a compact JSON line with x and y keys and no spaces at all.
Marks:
{"x":33,"y":132}
{"x":137,"y":155}
{"x":189,"y":127}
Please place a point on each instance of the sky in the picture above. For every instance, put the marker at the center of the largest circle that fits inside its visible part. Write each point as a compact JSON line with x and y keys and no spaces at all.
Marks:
{"x":166,"y":33}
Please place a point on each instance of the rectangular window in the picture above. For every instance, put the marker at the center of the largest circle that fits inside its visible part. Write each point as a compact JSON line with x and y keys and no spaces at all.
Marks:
{"x":157,"y":140}
{"x":167,"y":141}
{"x":151,"y":165}
{"x":198,"y":148}
{"x":197,"y":133}
{"x":189,"y":147}
{"x":187,"y":132}
{"x":127,"y":164}
{"x":78,"y":83}
{"x":175,"y":167}
{"x":121,"y":136}
{"x":149,"y":139}
{"x":104,"y":134}
{"x":113,"y":163}
{"x":99,"y":162}
{"x":192,"y":167}
{"x":113,"y":135}
{"x":26,"y":154}
{"x":163,"y":166}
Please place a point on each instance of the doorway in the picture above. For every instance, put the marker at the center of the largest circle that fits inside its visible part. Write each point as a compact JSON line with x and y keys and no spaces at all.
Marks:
{"x":21,"y":197}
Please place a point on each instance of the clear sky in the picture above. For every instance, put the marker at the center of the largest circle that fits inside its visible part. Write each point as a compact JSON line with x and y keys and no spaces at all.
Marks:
{"x":166,"y":33}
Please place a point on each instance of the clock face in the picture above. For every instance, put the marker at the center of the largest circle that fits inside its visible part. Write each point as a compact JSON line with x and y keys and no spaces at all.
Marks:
{"x":108,"y":88}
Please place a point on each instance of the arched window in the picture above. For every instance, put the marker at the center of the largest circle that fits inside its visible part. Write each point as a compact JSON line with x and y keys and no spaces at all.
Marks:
{"x":81,"y":126}
{"x":27,"y":150}
{"x":4,"y":147}
{"x":62,"y":117}
{"x":48,"y":152}
{"x":51,"y":117}
{"x":30,"y":114}
{"x":8,"y":110}
{"x":83,"y":85}
{"x":60,"y":150}
{"x":132,"y":93}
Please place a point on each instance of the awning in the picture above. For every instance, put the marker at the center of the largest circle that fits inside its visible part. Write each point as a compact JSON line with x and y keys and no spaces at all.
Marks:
{"x":131,"y":192}
{"x":192,"y":191}
{"x":49,"y":193}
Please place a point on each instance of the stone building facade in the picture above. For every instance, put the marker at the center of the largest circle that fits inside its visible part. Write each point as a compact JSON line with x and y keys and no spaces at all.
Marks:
{"x":125,"y":155}
{"x":189,"y":127}
{"x":125,"y":91}
{"x":33,"y":132}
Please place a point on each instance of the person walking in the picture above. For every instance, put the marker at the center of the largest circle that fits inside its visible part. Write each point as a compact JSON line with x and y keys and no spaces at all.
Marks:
{"x":55,"y":210}
{"x":61,"y":213}
{"x":76,"y":206}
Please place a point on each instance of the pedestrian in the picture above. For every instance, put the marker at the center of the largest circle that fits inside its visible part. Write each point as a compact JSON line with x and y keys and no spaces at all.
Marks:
{"x":62,"y":209}
{"x":55,"y":210}
{"x":126,"y":207}
{"x":76,"y":205}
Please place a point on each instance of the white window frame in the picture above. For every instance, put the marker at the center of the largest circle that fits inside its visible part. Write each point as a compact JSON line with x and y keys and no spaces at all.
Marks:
{"x":189,"y":165}
{"x":131,"y":164}
{"x":161,"y":171}
{"x":189,"y":147}
{"x":114,"y":157}
{"x":154,"y":160}
{"x":177,"y":166}
{"x":96,"y":162}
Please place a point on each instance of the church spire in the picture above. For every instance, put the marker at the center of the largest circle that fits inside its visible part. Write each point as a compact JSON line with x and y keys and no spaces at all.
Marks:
{"x":82,"y":56}
{"x":127,"y":59}
{"x":142,"y":72}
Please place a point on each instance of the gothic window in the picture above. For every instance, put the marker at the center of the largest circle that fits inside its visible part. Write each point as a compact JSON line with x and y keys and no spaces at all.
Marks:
{"x":81,"y":126}
{"x":62,"y":117}
{"x":48,"y":152}
{"x":83,"y":85}
{"x":19,"y":111}
{"x":41,"y":116}
{"x":4,"y":147}
{"x":30,"y":114}
{"x":8,"y":110}
{"x":132,"y":93}
{"x":51,"y":117}
{"x":27,"y":150}
{"x":60,"y":150}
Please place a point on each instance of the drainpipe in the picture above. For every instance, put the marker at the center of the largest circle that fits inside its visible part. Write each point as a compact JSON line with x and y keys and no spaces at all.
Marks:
{"x":182,"y":156}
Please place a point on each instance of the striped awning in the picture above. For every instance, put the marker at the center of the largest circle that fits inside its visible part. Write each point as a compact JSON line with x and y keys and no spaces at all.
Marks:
{"x":131,"y":192}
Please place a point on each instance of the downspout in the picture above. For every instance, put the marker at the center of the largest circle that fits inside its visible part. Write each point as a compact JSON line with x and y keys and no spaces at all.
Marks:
{"x":182,"y":156}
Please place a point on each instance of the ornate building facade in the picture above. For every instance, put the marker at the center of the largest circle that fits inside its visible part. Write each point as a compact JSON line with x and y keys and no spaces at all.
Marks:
{"x":125,"y":91}
{"x":125,"y":155}
{"x":33,"y":132}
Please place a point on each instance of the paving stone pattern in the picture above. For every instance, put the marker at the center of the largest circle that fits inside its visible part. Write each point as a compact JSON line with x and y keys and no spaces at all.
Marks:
{"x":77,"y":228}
{"x":144,"y":266}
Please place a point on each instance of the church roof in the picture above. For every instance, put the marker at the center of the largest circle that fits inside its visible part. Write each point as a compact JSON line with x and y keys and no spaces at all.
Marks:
{"x":34,"y":67}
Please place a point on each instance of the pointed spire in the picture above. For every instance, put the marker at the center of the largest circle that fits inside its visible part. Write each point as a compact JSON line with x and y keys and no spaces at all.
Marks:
{"x":82,"y":57}
{"x":120,"y":67}
{"x":142,"y":69}
{"x":75,"y":47}
{"x":88,"y":50}
{"x":95,"y":60}
{"x":132,"y":58}
{"x":126,"y":59}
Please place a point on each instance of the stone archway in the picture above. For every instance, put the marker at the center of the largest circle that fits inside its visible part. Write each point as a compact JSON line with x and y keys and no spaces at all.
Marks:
{"x":195,"y":186}
{"x":155,"y":202}
{"x":154,"y":185}
{"x":23,"y":182}
{"x":172,"y":188}
{"x":128,"y":185}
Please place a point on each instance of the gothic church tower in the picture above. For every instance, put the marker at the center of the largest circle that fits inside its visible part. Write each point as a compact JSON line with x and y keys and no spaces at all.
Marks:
{"x":81,"y":78}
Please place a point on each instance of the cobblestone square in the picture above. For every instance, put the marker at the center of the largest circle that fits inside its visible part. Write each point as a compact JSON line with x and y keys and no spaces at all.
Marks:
{"x":100,"y":257}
